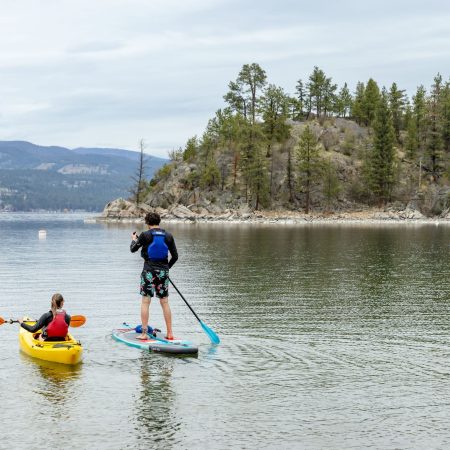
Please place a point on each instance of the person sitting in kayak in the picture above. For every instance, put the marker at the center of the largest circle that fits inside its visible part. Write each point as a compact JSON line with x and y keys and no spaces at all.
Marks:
{"x":156,"y":244}
{"x":54,"y":324}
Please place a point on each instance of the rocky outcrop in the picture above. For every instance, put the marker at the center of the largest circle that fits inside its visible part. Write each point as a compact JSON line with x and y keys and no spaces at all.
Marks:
{"x":122,"y":210}
{"x":181,"y":192}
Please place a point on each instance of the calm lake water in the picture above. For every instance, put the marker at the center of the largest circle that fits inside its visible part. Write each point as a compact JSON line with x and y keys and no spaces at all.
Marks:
{"x":333,"y":337}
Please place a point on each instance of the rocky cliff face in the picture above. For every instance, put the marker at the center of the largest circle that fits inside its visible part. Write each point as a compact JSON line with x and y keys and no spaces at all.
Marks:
{"x":343,"y":143}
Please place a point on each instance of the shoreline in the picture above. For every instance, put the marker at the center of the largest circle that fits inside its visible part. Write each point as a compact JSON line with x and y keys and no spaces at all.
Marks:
{"x":123,"y":211}
{"x":259,"y":219}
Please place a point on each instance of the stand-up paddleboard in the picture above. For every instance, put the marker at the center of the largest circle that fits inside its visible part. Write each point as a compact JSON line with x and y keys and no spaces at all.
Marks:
{"x":155,"y":343}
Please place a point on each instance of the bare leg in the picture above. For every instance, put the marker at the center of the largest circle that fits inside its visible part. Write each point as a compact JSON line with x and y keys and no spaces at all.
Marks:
{"x":145,"y":313}
{"x":167,"y":316}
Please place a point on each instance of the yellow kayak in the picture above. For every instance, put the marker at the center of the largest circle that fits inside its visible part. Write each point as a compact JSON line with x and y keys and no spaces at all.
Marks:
{"x":69,"y":351}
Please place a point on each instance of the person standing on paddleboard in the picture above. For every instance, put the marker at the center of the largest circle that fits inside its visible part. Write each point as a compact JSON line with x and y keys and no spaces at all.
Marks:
{"x":155,"y":244}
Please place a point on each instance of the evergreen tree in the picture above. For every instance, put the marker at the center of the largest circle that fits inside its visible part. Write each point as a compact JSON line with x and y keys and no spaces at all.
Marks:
{"x":397,"y":103}
{"x":301,"y":93}
{"x":290,"y":174}
{"x":329,"y":97}
{"x":316,"y":88}
{"x":445,"y":110}
{"x":253,"y":78}
{"x":259,"y":180}
{"x":370,"y":102}
{"x":344,"y":102}
{"x":331,"y":185}
{"x":235,"y":97}
{"x":274,"y":108}
{"x":191,"y":149}
{"x":419,"y":112}
{"x":434,"y":140}
{"x":382,"y":158}
{"x":274,"y":111}
{"x":412,"y":138}
{"x":210,"y":176}
{"x":357,"y":109}
{"x":308,"y":164}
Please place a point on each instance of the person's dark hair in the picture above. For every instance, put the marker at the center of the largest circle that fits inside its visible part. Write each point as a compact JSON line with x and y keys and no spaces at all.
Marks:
{"x":152,"y":218}
{"x":57,"y":300}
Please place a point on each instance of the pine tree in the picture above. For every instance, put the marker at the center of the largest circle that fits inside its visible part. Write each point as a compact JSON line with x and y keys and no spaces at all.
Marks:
{"x":253,"y":78}
{"x":412,"y":138}
{"x":300,"y":90}
{"x":290,"y":174}
{"x":235,"y":97}
{"x":191,"y":149}
{"x":331,"y":185}
{"x":308,"y":164}
{"x":344,"y":102}
{"x":382,"y":158}
{"x":357,"y":110}
{"x":445,"y":110}
{"x":419,"y":112}
{"x":259,"y":180}
{"x":274,"y":109}
{"x":434,"y":140}
{"x":329,"y":97}
{"x":397,"y":103}
{"x":370,"y":102}
{"x":316,"y":88}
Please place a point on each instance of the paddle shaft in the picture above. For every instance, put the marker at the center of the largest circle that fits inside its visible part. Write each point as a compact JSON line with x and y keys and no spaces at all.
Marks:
{"x":75,"y":321}
{"x":185,"y":301}
{"x":211,"y":334}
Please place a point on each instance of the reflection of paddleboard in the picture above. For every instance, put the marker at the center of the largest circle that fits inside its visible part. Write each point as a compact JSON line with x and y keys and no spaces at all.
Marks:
{"x":155,"y":343}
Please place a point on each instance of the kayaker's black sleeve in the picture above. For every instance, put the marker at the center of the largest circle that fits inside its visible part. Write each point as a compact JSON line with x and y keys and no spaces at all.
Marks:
{"x":172,"y":249}
{"x":67,"y":319}
{"x":43,"y":321}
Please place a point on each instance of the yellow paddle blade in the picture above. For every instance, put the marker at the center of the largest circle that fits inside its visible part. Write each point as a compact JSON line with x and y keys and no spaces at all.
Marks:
{"x":2,"y":321}
{"x":77,"y":321}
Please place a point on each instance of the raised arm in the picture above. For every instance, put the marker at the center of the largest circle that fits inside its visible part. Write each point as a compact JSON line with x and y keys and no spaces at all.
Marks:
{"x":136,"y":242}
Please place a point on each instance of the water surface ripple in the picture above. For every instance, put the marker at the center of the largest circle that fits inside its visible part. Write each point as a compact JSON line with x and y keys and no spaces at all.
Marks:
{"x":333,"y":337}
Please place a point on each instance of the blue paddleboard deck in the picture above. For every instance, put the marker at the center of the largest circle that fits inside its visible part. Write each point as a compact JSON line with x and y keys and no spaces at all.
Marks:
{"x":155,"y":343}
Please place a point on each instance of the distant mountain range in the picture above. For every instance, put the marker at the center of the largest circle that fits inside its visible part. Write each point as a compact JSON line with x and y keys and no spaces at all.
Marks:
{"x":55,"y":178}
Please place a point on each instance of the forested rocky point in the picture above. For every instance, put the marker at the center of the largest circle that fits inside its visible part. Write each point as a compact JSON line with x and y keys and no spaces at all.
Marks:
{"x":321,"y":149}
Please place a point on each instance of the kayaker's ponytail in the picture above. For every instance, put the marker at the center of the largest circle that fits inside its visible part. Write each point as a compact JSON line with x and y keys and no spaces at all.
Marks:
{"x":57,"y":300}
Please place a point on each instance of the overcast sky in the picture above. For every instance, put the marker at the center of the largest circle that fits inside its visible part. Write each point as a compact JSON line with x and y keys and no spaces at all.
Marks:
{"x":106,"y":73}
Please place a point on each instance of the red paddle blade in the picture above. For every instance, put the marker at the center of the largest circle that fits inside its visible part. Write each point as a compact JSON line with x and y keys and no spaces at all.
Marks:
{"x":77,"y":321}
{"x":2,"y":321}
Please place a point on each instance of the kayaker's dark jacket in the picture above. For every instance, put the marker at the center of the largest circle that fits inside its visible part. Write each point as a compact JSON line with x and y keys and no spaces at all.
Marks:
{"x":144,"y":240}
{"x":42,"y":323}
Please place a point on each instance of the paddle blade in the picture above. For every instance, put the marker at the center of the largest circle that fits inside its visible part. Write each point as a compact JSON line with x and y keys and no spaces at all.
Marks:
{"x":77,"y":321}
{"x":212,"y":336}
{"x":2,"y":321}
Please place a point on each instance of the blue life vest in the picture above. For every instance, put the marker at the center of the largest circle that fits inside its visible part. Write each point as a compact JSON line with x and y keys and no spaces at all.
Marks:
{"x":158,"y":249}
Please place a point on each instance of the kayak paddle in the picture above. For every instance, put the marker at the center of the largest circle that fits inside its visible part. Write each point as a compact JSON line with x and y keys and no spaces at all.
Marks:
{"x":212,"y":336}
{"x":75,"y":321}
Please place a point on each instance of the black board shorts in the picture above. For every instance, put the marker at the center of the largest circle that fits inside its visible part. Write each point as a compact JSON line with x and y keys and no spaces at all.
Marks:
{"x":155,"y":282}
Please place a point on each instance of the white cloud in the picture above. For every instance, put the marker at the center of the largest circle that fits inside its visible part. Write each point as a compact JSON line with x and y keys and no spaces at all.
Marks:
{"x":92,"y":72}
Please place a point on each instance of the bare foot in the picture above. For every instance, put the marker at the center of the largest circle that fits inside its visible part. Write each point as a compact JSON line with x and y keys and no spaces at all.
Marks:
{"x":142,"y":337}
{"x":169,"y":337}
